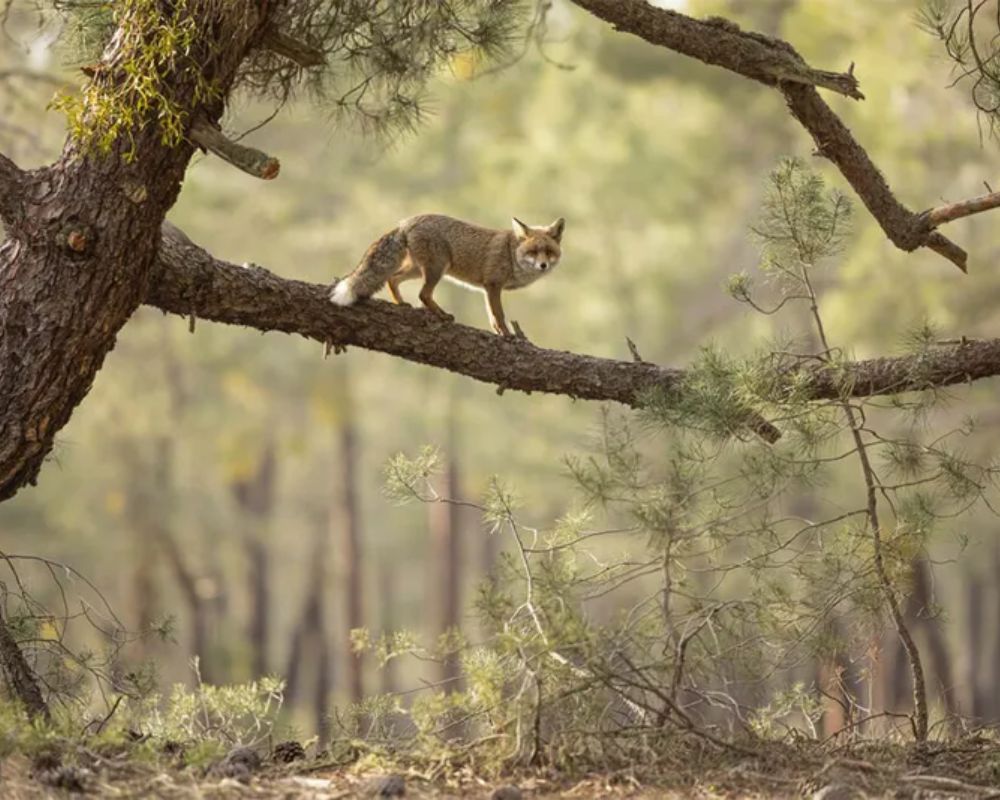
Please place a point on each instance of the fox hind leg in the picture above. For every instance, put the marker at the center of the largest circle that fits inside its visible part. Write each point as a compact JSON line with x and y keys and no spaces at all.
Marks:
{"x":409,"y":271}
{"x":431,"y":280}
{"x":432,"y":260}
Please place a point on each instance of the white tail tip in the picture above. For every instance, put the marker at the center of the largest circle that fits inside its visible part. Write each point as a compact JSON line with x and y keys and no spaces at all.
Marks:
{"x":343,"y":294}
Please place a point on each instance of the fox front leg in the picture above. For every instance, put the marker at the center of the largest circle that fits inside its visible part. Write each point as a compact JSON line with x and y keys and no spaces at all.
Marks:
{"x":495,"y":310}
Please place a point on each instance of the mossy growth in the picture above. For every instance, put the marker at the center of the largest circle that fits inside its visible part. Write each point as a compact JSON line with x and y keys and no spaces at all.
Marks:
{"x":144,"y":42}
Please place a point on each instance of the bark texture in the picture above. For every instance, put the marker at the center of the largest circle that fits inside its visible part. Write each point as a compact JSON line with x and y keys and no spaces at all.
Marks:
{"x":18,"y":675}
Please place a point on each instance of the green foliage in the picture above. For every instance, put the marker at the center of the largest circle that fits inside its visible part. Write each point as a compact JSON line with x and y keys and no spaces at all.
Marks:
{"x":800,"y":220}
{"x":377,"y":58}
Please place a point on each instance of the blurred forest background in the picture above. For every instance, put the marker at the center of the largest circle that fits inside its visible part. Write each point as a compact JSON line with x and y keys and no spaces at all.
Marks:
{"x":232,"y":482}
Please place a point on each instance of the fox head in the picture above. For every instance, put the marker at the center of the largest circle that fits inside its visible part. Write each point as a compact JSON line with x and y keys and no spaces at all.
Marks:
{"x":538,"y":249}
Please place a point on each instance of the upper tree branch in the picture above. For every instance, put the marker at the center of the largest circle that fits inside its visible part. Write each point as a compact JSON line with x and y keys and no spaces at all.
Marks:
{"x":190,"y":282}
{"x":776,"y":63}
{"x":11,"y":181}
{"x":305,"y":55}
{"x":720,"y":42}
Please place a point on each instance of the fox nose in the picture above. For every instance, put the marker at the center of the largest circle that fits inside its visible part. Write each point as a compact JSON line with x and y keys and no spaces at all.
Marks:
{"x":543,"y":266}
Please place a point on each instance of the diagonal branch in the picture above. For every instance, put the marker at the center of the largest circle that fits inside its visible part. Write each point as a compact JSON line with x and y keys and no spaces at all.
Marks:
{"x":11,"y":179}
{"x":774,"y":62}
{"x":302,"y":53}
{"x":720,"y":42}
{"x":191,"y":283}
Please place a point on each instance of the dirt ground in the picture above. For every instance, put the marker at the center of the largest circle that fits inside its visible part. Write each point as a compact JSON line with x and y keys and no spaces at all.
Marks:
{"x":966,"y":769}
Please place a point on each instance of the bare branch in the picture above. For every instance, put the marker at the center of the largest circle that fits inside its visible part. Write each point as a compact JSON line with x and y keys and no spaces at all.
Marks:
{"x":11,"y":179}
{"x":776,"y":63}
{"x":190,"y":281}
{"x":249,"y":160}
{"x":303,"y":54}
{"x":965,"y":208}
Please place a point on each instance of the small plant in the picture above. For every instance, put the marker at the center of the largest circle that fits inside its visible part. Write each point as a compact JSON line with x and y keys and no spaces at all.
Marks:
{"x":704,"y":572}
{"x":215,"y":718}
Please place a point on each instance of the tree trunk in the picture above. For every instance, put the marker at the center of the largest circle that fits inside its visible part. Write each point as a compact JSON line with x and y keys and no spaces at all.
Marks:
{"x":18,"y":674}
{"x":83,"y":237}
{"x":445,"y":522}
{"x":310,"y":641}
{"x":387,"y":621}
{"x":975,"y":630}
{"x":920,"y":609}
{"x":345,"y":520}
{"x":255,"y":498}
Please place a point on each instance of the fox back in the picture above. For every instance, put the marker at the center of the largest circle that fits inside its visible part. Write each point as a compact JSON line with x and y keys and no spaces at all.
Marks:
{"x":478,"y":256}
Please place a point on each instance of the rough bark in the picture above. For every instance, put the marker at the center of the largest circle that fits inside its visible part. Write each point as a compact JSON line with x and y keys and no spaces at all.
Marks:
{"x":190,"y":282}
{"x":82,"y":237}
{"x":776,"y":63}
{"x":11,"y":191}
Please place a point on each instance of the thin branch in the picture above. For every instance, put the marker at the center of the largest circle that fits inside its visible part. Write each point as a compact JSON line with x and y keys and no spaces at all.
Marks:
{"x":774,"y":62}
{"x":189,"y":280}
{"x":248,"y":159}
{"x":965,"y":208}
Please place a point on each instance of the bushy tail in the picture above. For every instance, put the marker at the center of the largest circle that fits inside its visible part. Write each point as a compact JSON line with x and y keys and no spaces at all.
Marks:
{"x":381,"y":261}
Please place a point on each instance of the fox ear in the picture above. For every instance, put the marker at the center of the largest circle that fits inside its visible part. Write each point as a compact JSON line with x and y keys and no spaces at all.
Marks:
{"x":555,"y":230}
{"x":521,"y":230}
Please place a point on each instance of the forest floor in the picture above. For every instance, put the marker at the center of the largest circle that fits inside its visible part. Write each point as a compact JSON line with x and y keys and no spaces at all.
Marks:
{"x":966,"y":768}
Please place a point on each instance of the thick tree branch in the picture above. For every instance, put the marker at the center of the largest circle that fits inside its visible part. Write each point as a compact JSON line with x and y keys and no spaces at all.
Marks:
{"x":248,"y":159}
{"x":776,"y":63}
{"x":11,"y":182}
{"x":189,"y":281}
{"x":720,"y":42}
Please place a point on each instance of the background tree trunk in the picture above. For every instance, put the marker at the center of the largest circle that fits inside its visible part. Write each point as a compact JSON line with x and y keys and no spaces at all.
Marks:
{"x":444,"y":521}
{"x":345,"y":521}
{"x":255,"y":498}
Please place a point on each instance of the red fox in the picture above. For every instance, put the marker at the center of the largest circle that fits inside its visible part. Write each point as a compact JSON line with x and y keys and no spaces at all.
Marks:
{"x":435,"y":246}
